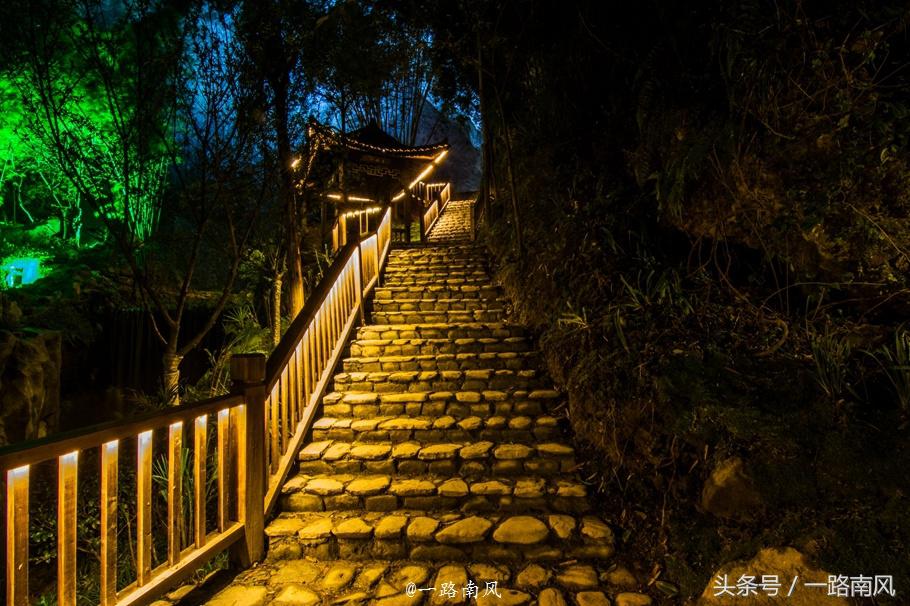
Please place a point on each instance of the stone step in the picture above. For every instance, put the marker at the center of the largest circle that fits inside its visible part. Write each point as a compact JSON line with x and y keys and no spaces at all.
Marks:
{"x":307,"y":582}
{"x":427,"y":278}
{"x":467,"y":459}
{"x":417,"y":251}
{"x":453,"y":537}
{"x":434,"y":280}
{"x":460,"y":405}
{"x":440,"y":330}
{"x":347,"y":492}
{"x":465,"y":361}
{"x":447,"y":268}
{"x":417,"y":347}
{"x":441,"y":380}
{"x":443,"y":257}
{"x":442,"y":291}
{"x":429,"y":317}
{"x":428,"y":430}
{"x":437,"y":305}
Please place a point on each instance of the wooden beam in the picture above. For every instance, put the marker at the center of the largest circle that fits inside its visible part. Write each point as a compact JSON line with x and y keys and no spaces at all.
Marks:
{"x":108,"y":525}
{"x":248,"y":372}
{"x":17,"y":536}
{"x":200,"y":457}
{"x":67,"y":496}
{"x":143,"y":507}
{"x":224,"y":468}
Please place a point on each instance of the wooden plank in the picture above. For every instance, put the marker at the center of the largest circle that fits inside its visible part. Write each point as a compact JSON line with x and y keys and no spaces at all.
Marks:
{"x":307,"y":367}
{"x":320,"y":340}
{"x":109,"y":487}
{"x":67,"y":495}
{"x":143,"y":507}
{"x":200,"y":455}
{"x":174,"y":492}
{"x":17,"y":536}
{"x":275,"y":454}
{"x":285,"y":409}
{"x":333,"y":317}
{"x":224,"y":468}
{"x":298,"y":383}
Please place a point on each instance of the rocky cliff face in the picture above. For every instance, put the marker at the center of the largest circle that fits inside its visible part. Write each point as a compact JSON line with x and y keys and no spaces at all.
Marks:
{"x":462,"y":165}
{"x":29,"y":385}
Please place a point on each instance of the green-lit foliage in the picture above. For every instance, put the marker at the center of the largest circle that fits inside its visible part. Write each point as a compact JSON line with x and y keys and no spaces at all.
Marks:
{"x":82,"y":119}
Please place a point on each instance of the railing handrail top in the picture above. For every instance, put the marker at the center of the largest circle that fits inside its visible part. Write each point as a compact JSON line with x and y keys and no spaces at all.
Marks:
{"x":50,"y":447}
{"x":285,"y":348}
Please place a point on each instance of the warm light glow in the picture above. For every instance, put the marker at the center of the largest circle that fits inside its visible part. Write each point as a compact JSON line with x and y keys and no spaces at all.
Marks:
{"x":145,"y":439}
{"x":201,"y":422}
{"x":351,"y":198}
{"x":441,"y":155}
{"x":176,"y":426}
{"x":18,"y":472}
{"x":70,"y":457}
{"x":223,"y":414}
{"x":354,"y":213}
{"x":421,"y":176}
{"x":295,"y":162}
{"x":112,"y":445}
{"x":399,"y":196}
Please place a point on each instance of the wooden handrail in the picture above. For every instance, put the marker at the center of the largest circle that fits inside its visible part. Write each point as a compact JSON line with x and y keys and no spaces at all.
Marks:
{"x":258,"y":431}
{"x":441,"y":195}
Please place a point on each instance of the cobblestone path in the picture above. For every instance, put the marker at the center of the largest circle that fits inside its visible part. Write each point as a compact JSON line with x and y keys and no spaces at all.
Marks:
{"x":441,"y":471}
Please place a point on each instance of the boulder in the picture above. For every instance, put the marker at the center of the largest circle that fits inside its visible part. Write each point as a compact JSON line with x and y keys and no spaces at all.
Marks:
{"x":729,"y":491}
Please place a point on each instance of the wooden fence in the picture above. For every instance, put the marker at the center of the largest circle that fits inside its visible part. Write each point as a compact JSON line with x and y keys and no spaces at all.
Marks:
{"x":256,"y":431}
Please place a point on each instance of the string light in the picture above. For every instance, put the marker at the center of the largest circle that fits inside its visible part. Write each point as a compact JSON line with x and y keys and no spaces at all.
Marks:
{"x":354,"y":213}
{"x":421,"y":176}
{"x":424,"y":152}
{"x":351,"y":198}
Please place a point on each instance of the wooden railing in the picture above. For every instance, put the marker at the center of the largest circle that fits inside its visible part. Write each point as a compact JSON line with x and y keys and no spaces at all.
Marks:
{"x":257,"y":432}
{"x":340,"y":226}
{"x":441,"y":193}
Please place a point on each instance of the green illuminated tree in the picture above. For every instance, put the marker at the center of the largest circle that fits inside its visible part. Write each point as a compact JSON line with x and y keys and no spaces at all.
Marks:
{"x":138,"y":109}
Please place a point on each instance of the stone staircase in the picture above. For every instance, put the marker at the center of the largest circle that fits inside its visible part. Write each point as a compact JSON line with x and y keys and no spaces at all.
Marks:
{"x":454,"y":225}
{"x":441,"y":462}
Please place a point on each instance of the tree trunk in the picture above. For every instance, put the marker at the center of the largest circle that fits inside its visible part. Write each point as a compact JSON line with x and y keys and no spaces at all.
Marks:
{"x":171,"y":375}
{"x":294,"y":264}
{"x":516,"y":217}
{"x":276,"y":310}
{"x":486,"y":165}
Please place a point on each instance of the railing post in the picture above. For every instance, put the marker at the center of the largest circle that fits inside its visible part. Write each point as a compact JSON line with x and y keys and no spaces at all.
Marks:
{"x":358,"y":284}
{"x":248,"y":376}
